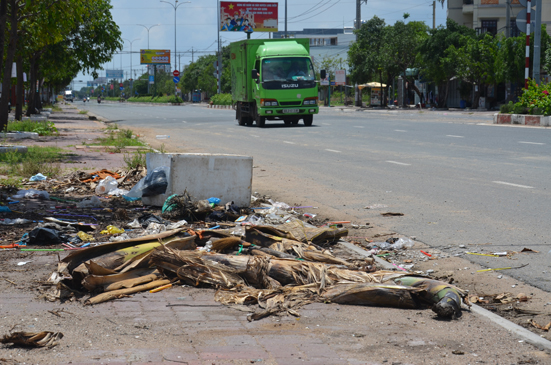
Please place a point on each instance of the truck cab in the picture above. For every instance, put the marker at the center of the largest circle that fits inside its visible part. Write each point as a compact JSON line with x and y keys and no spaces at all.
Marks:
{"x":273,"y":80}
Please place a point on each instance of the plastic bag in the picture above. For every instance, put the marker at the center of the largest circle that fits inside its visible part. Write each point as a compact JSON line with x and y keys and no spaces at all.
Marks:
{"x":10,"y":222}
{"x":176,"y":225}
{"x":38,"y":177}
{"x":279,"y":205}
{"x":106,"y":185}
{"x":112,"y":230}
{"x":118,"y":192}
{"x":214,"y":201}
{"x":31,"y":194}
{"x":45,"y":236}
{"x":85,"y":237}
{"x":403,"y":243}
{"x":156,"y":182}
{"x":93,"y":202}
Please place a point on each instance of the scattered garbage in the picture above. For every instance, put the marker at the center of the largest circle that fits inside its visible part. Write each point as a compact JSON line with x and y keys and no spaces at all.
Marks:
{"x":92,"y":202}
{"x":31,"y":194}
{"x":106,"y":185}
{"x":12,"y":222}
{"x":38,"y":177}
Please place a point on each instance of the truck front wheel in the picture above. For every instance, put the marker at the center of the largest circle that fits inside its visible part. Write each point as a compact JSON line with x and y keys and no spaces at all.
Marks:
{"x":308,"y":120}
{"x":239,"y":117}
{"x":261,"y":121}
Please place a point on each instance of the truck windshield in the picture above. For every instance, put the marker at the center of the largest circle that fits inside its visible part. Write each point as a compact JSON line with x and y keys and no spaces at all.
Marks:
{"x":287,"y":72}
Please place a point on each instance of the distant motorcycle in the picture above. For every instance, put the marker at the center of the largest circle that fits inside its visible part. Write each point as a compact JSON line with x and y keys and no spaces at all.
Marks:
{"x":84,"y":100}
{"x":99,"y":100}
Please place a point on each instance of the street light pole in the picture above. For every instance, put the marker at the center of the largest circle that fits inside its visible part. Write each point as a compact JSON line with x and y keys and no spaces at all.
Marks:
{"x":148,"y":29}
{"x":175,"y":6}
{"x":131,"y":82}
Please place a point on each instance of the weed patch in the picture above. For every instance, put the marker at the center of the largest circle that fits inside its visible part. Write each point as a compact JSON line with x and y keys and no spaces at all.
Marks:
{"x":133,"y":160}
{"x":37,"y":159}
{"x":43,"y":128}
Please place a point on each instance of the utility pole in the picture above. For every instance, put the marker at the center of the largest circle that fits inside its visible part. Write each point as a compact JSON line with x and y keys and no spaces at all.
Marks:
{"x":508,"y":19}
{"x":433,"y":14}
{"x":192,"y":53}
{"x":537,"y":44}
{"x":175,"y":6}
{"x":286,"y":19}
{"x":219,"y":52}
{"x":359,"y":15}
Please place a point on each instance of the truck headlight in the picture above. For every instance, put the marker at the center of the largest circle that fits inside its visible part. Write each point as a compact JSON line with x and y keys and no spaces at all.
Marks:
{"x":268,"y":102}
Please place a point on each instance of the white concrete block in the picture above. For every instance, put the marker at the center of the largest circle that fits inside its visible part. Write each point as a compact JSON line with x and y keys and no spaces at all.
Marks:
{"x":227,"y":177}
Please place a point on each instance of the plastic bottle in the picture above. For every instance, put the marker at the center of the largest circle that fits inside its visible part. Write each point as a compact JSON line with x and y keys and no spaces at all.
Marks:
{"x":106,"y":185}
{"x":162,"y":136}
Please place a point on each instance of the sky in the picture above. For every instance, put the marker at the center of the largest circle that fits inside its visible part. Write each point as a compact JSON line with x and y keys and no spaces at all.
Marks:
{"x":196,"y":24}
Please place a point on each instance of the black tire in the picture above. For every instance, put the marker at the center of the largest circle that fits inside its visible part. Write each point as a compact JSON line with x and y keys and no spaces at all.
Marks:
{"x":249,"y":121}
{"x":295,"y":121}
{"x":308,"y":120}
{"x":287,"y":121}
{"x":261,"y":121}
{"x":239,"y":117}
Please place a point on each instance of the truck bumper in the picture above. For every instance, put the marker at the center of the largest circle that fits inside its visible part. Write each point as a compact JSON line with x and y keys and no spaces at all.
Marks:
{"x":281,"y":113}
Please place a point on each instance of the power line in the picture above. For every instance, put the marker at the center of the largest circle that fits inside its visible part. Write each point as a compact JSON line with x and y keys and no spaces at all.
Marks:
{"x":323,"y":11}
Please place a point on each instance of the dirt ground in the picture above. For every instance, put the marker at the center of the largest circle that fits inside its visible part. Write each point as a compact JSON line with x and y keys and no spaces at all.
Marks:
{"x":186,"y":325}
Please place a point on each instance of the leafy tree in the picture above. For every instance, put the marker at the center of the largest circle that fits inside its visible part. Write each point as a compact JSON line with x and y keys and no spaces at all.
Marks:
{"x":365,"y":55}
{"x":435,"y":65}
{"x":475,"y":61}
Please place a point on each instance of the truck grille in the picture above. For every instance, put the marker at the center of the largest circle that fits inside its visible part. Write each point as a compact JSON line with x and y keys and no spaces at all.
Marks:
{"x":290,"y":103}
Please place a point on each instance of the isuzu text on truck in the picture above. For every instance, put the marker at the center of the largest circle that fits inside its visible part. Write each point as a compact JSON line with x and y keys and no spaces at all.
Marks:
{"x":273,"y":79}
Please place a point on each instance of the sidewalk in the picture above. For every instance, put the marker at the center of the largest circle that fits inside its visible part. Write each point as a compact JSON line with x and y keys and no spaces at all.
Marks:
{"x":184,"y":325}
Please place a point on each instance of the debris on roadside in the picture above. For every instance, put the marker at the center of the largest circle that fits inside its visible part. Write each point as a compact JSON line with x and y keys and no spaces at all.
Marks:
{"x":271,"y":254}
{"x":33,"y":339}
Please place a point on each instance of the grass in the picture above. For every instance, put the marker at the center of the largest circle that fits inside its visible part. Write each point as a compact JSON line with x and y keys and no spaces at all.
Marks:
{"x":118,"y":138}
{"x":43,"y":128}
{"x":37,"y":159}
{"x":157,"y":100}
{"x":133,"y":160}
{"x":83,"y":112}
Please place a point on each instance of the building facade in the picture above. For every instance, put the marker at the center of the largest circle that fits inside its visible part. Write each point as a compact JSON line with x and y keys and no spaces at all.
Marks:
{"x":490,"y":16}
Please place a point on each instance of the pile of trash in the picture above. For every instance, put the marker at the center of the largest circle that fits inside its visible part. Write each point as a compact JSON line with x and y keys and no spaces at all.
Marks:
{"x":269,"y":256}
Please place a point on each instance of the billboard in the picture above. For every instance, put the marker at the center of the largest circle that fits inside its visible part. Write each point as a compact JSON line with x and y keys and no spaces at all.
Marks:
{"x":340,"y":77}
{"x":114,"y":74}
{"x":241,"y":16}
{"x":154,"y":57}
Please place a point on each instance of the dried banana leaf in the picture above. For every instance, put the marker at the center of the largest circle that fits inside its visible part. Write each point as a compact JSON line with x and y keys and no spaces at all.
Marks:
{"x":222,"y":244}
{"x":92,"y":282}
{"x":115,"y":294}
{"x":78,"y":257}
{"x":306,"y":233}
{"x":445,"y":298}
{"x":378,"y":295}
{"x":33,"y":339}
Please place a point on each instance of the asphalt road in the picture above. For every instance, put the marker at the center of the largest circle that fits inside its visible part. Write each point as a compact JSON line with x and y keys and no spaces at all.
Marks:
{"x":458,"y":179}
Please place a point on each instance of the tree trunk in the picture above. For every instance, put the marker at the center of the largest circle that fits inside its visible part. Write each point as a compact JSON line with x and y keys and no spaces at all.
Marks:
{"x":32,"y":85}
{"x":20,"y":89}
{"x":10,"y":55}
{"x":3,"y":23}
{"x":411,"y":81}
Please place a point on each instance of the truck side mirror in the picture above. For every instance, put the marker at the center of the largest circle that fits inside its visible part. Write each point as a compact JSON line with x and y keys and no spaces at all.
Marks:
{"x":254,"y":74}
{"x":323,"y":74}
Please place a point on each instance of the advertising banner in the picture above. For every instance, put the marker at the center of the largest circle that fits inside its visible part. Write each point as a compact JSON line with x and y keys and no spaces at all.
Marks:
{"x":155,"y":57}
{"x":239,"y":16}
{"x":340,"y":77}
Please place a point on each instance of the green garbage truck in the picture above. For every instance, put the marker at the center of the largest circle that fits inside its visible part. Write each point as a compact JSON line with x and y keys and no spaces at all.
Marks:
{"x":273,"y":79}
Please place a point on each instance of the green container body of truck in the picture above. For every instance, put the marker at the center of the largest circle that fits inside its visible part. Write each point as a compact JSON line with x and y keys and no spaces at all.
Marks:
{"x":273,"y":79}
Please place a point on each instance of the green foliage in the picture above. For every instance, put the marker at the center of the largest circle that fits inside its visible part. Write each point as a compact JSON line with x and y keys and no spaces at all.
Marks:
{"x":365,"y":56}
{"x":43,"y":128}
{"x":133,"y":160}
{"x":157,"y":99}
{"x":37,"y":159}
{"x":221,"y":99}
{"x":534,"y":100}
{"x":119,"y":138}
{"x":507,"y":108}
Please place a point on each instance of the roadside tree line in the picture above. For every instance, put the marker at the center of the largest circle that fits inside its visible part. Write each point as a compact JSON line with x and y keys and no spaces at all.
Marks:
{"x":51,"y":41}
{"x":384,"y":52}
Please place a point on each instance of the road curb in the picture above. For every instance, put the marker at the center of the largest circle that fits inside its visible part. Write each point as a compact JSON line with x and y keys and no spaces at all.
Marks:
{"x":515,"y":329}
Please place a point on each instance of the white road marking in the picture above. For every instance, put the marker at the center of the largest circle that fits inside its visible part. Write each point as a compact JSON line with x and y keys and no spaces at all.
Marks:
{"x":451,"y":135}
{"x":289,"y":142}
{"x":325,"y":124}
{"x":399,"y":130}
{"x":183,"y":121}
{"x":359,"y":126}
{"x":538,"y":143}
{"x":333,"y":151}
{"x":399,"y":163}
{"x":254,"y":135}
{"x":515,"y":185}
